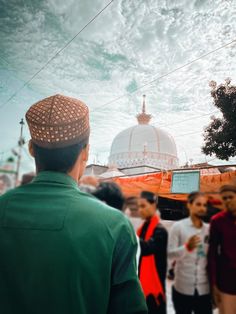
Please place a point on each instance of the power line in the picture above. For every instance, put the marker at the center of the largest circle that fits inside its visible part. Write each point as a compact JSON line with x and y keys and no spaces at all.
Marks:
{"x":188,"y":119}
{"x":190,"y":133}
{"x":165,"y":75}
{"x":181,"y":121}
{"x":13,"y":74}
{"x":55,"y":55}
{"x":4,"y":60}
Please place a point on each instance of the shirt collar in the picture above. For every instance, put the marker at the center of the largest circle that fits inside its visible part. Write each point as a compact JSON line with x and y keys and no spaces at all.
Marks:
{"x":56,"y":177}
{"x":190,"y":223}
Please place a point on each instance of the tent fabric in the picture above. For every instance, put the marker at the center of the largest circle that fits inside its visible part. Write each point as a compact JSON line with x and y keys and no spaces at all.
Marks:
{"x":160,"y":183}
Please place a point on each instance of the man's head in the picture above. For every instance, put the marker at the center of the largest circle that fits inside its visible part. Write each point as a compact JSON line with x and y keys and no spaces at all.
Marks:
{"x":197,"y":204}
{"x":59,"y":128}
{"x":111,"y":194}
{"x":228,"y":196}
{"x":131,"y":205}
{"x":147,"y":204}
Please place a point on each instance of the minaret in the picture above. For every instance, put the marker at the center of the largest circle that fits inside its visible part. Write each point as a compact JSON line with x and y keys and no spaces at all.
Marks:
{"x":144,"y":118}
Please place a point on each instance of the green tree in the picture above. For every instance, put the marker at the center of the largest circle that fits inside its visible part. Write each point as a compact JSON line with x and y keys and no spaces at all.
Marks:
{"x":220,"y":134}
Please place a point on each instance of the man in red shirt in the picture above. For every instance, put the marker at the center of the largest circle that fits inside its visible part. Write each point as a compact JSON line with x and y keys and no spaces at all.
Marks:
{"x":222,"y":253}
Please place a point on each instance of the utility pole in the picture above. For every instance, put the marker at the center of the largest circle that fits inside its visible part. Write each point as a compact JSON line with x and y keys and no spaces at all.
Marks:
{"x":21,"y":142}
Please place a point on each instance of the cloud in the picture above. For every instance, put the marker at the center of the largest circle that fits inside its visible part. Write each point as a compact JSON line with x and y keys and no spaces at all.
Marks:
{"x":127,"y":46}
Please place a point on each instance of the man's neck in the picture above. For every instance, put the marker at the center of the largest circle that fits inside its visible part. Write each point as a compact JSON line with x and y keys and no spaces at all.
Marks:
{"x":73,"y":176}
{"x":197,"y":222}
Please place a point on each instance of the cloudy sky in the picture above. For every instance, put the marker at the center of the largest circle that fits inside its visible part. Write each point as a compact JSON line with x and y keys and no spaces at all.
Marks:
{"x":132,"y":43}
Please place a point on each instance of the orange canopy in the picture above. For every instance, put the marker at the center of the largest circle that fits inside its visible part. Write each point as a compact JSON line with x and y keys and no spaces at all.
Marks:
{"x":160,"y":183}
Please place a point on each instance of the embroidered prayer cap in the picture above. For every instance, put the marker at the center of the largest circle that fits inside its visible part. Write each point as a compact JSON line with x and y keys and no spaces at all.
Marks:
{"x":58,"y":121}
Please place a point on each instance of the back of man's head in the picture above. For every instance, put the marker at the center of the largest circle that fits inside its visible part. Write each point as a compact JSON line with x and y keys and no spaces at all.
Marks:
{"x":57,"y":159}
{"x":111,"y":194}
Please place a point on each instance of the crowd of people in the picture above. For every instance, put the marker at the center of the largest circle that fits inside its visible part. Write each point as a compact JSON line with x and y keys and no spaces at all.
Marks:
{"x":71,"y":244}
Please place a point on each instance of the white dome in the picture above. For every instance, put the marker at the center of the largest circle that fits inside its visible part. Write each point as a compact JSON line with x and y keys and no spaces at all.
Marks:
{"x":144,"y":144}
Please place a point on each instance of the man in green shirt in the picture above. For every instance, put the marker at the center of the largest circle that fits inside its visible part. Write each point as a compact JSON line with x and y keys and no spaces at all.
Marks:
{"x":62,"y":251}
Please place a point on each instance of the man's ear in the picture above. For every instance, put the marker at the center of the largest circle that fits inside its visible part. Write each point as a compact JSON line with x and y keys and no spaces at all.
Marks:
{"x":31,"y":149}
{"x":85,"y":153}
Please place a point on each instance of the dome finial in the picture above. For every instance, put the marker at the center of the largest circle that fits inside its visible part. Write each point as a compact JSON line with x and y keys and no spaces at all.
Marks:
{"x":144,"y":104}
{"x":144,"y":118}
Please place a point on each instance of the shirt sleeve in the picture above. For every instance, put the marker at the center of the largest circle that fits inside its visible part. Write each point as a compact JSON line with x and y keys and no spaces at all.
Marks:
{"x":176,"y":250}
{"x":126,"y":294}
{"x":156,"y":244}
{"x":213,"y":252}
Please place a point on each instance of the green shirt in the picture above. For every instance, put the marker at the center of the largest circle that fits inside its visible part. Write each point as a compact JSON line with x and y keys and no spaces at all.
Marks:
{"x":63,"y":251}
